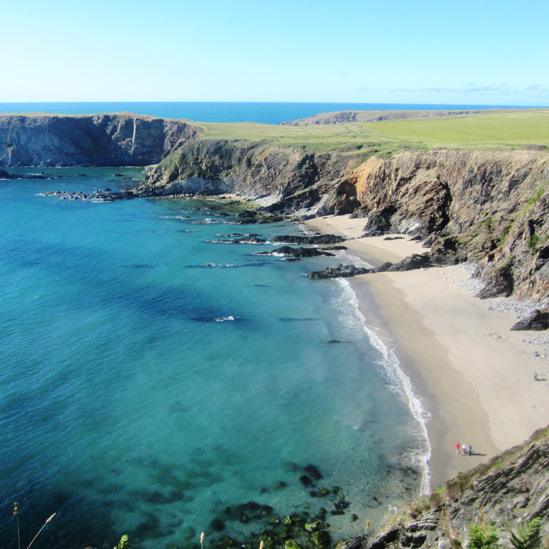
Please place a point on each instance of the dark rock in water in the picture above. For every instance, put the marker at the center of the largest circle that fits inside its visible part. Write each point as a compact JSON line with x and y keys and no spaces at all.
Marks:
{"x":313,"y":471}
{"x":96,"y":196}
{"x":252,"y":239}
{"x":161,"y":498}
{"x":280,"y":485}
{"x":297,"y":252}
{"x":414,"y":261}
{"x":217,"y":525}
{"x":249,"y":511}
{"x":343,"y":271}
{"x":334,"y":247}
{"x":342,"y":504}
{"x":4,"y":175}
{"x":309,"y":239}
{"x":337,"y":512}
{"x":305,"y":480}
{"x":536,"y":320}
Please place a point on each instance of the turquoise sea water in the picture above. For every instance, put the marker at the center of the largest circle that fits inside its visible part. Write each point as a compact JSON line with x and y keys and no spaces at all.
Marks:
{"x":268,"y":113}
{"x":143,"y":391}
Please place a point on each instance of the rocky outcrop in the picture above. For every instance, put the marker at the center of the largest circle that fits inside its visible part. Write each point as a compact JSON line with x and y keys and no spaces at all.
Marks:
{"x":98,"y":140}
{"x":492,"y":206}
{"x":314,"y":239}
{"x":538,"y":319}
{"x":282,"y":179}
{"x":507,"y":492}
{"x":410,"y":263}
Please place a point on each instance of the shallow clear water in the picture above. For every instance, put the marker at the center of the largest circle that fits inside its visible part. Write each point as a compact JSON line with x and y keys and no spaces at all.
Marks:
{"x":126,"y":407}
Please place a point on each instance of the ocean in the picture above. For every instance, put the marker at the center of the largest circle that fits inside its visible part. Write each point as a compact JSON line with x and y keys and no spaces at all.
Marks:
{"x":263,"y":112}
{"x":150,"y":379}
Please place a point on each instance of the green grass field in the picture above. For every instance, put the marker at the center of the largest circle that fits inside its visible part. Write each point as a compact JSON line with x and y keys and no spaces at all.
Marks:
{"x":486,"y":131}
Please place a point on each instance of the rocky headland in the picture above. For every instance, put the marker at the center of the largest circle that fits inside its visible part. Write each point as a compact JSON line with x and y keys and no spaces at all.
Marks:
{"x":94,"y":140}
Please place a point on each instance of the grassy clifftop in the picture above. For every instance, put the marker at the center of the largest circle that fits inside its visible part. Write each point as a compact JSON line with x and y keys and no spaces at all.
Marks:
{"x":490,"y":130}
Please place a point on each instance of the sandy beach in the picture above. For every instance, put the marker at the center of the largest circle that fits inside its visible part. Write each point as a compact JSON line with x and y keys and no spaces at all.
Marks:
{"x":474,"y":377}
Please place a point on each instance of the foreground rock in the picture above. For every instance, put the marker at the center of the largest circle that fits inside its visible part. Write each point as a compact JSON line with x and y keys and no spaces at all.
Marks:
{"x":536,"y":320}
{"x":508,"y":491}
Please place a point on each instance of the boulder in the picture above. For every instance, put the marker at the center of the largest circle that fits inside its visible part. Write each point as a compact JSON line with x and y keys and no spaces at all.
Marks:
{"x":537,"y":320}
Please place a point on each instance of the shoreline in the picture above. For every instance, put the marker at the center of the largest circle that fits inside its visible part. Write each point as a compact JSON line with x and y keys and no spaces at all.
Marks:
{"x":473,"y":377}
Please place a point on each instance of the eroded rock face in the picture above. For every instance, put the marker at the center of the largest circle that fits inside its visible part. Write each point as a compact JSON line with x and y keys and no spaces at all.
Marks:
{"x":285,"y":180}
{"x":492,"y":206}
{"x":510,"y":490}
{"x":98,"y":140}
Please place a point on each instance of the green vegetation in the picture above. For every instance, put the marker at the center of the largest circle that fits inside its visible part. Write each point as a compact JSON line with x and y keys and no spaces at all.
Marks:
{"x":483,"y":536}
{"x":527,"y":536}
{"x":493,"y":130}
{"x":124,"y":543}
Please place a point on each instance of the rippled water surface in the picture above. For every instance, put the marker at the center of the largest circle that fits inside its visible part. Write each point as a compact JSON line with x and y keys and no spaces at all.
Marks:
{"x":150,"y":379}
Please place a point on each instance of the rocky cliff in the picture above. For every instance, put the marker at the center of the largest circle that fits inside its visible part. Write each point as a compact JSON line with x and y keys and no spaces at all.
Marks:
{"x":98,"y":140}
{"x":507,"y":492}
{"x":488,"y":206}
{"x":283,"y":179}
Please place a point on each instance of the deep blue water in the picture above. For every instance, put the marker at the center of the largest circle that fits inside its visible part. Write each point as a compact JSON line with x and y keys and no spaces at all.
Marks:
{"x":269,"y":113}
{"x":128,"y":405}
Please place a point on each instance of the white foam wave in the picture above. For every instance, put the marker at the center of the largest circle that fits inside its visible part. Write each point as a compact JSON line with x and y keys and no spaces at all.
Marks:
{"x":399,"y":381}
{"x":229,"y":318}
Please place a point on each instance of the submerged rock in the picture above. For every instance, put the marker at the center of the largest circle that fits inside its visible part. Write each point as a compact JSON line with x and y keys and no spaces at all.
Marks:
{"x":296,"y":252}
{"x":313,"y":471}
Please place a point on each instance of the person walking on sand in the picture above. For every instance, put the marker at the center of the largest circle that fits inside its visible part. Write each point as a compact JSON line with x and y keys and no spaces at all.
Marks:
{"x":457,"y":447}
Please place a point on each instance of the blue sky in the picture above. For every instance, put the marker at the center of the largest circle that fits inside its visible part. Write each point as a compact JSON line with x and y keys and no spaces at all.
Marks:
{"x":416,"y":51}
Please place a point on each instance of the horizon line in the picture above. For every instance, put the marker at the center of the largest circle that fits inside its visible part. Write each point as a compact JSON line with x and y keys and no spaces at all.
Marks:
{"x":106,"y":101}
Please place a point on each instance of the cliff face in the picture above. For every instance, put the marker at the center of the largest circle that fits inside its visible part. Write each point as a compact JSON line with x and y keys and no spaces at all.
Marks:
{"x":488,"y":206}
{"x":287,"y":180}
{"x":509,"y":491}
{"x":99,"y":140}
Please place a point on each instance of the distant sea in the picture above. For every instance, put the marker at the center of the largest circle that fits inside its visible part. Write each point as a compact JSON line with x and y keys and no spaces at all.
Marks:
{"x":263,"y":112}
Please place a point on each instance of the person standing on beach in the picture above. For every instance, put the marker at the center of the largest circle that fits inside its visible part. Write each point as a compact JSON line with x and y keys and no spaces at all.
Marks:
{"x":457,"y":447}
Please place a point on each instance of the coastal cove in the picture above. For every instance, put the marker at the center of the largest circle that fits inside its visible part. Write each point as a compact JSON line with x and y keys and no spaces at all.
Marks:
{"x":183,"y":376}
{"x":457,"y":350}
